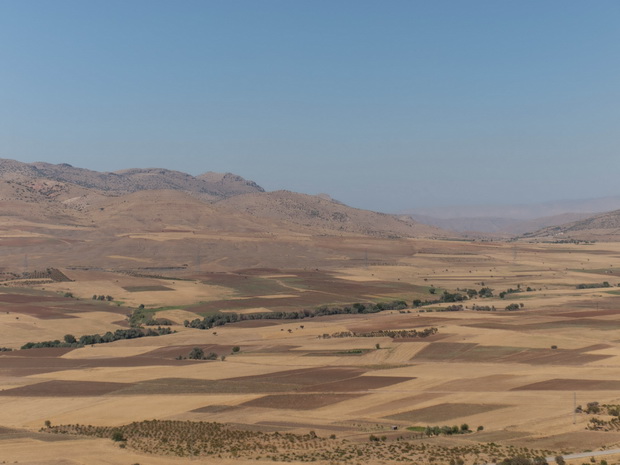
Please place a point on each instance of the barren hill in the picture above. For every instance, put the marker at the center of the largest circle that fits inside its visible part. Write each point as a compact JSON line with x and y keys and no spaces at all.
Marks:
{"x":605,"y":227}
{"x":323,"y":214}
{"x":210,"y":185}
{"x":58,"y":215}
{"x":498,"y":227}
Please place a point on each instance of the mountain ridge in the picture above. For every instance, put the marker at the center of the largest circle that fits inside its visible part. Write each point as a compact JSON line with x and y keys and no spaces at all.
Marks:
{"x":63,"y":216}
{"x":211,"y":186}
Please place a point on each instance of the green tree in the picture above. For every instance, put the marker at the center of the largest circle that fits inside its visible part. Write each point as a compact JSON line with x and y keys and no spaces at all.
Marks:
{"x":117,"y":436}
{"x":196,"y":354}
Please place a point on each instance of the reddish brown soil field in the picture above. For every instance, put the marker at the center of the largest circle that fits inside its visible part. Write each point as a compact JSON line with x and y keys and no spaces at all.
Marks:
{"x":307,"y":376}
{"x":572,"y":385}
{"x":361,"y":383}
{"x":413,"y":400}
{"x":480,"y":384}
{"x":42,"y":313}
{"x":60,"y":388}
{"x":39,"y":353}
{"x":468,"y":352}
{"x":298,"y":401}
{"x":27,"y":299}
{"x":215,"y":409}
{"x":32,"y":364}
{"x":275,"y":349}
{"x":200,"y":386}
{"x":443,"y":412}
{"x":590,"y":314}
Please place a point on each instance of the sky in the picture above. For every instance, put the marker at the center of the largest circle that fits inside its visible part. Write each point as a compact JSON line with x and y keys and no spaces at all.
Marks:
{"x":385,"y":105}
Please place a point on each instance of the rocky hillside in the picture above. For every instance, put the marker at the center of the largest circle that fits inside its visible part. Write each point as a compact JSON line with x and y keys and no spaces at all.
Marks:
{"x":61,"y":216}
{"x":603,"y":227}
{"x":211,"y":186}
{"x":322,"y":214}
{"x":498,"y":227}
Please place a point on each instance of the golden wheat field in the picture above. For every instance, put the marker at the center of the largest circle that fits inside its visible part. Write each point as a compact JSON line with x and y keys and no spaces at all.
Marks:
{"x":350,"y":387}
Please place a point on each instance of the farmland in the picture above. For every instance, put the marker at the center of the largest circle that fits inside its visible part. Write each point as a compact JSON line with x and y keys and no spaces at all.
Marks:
{"x":291,"y":390}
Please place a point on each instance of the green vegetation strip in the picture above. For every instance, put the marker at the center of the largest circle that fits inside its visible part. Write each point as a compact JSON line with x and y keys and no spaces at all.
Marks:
{"x":210,"y":321}
{"x":90,"y":339}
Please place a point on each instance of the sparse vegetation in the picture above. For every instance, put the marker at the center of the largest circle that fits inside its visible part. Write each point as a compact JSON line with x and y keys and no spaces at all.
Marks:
{"x":202,"y":439}
{"x":593,"y":285}
{"x":394,"y":334}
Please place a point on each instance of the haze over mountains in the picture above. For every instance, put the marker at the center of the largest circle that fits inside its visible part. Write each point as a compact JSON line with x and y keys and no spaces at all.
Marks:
{"x":511,"y":220}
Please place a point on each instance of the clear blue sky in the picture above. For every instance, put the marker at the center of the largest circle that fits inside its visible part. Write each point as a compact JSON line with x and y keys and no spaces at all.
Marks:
{"x":384,"y":105}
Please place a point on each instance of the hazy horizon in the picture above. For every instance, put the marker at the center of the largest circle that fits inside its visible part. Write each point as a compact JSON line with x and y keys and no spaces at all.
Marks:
{"x":383,"y":106}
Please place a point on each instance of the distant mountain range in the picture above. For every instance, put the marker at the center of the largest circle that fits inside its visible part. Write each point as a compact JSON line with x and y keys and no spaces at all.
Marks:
{"x":512,"y":220}
{"x":209,"y":186}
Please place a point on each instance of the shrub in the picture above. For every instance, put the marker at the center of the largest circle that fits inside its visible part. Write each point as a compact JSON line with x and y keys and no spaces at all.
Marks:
{"x":196,"y":354}
{"x":117,"y":436}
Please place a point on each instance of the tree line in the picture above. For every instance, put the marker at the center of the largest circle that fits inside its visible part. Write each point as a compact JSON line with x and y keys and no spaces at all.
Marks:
{"x":217,"y":319}
{"x":90,"y":339}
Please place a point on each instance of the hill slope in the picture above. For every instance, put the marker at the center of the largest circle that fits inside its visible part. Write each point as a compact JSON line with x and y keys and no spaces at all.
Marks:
{"x":61,"y":216}
{"x":212,"y":185}
{"x":603,"y":227}
{"x":324,"y":215}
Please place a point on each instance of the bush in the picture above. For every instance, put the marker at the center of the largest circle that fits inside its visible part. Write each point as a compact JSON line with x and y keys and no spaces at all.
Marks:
{"x":117,"y":436}
{"x":196,"y":354}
